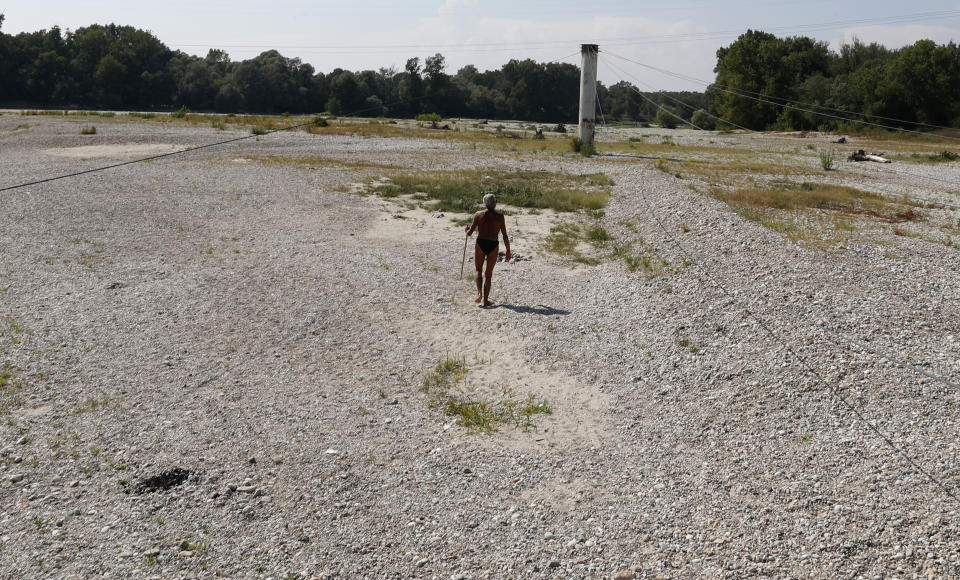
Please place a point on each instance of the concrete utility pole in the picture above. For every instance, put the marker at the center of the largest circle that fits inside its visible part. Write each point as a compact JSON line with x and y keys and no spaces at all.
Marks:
{"x":588,"y":92}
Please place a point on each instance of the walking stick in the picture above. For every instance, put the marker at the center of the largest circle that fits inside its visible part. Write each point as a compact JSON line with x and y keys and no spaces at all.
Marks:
{"x":464,"y":260}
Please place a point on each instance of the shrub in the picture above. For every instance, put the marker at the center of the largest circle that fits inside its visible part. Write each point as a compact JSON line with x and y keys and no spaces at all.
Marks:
{"x":432,"y":118}
{"x":91,"y":130}
{"x":666,"y":118}
{"x":258,"y":131}
{"x":703,"y":120}
{"x":320,"y":121}
{"x":180,"y":113}
{"x":827,"y":160}
{"x":582,"y":148}
{"x":560,"y":128}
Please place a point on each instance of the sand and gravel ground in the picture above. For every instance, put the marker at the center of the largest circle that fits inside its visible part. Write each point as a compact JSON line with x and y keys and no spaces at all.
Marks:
{"x":262,"y":328}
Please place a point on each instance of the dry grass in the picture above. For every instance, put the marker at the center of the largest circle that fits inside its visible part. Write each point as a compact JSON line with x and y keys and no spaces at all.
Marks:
{"x":314,"y":162}
{"x":819,"y":196}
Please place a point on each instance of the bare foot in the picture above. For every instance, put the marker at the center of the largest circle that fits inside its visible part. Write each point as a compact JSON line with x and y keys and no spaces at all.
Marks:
{"x":479,"y":298}
{"x":487,"y":303}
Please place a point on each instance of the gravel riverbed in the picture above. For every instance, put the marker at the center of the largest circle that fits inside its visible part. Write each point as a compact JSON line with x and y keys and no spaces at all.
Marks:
{"x":258,"y":336}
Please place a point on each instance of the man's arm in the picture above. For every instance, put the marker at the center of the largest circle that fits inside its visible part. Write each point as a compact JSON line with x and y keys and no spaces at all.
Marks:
{"x":469,"y":229}
{"x":506,"y":240}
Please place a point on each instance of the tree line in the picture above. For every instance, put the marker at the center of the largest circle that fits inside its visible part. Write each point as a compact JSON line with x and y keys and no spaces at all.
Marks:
{"x":765,"y":82}
{"x":762,"y":82}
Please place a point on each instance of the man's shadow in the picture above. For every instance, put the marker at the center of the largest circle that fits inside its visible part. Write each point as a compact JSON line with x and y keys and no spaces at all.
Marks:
{"x":540,"y":309}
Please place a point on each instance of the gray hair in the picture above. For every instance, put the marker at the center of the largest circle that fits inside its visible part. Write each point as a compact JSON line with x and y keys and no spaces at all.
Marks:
{"x":489,"y":200}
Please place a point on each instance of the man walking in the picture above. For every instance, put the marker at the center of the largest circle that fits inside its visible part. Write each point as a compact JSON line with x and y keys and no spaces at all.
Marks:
{"x":488,"y":223}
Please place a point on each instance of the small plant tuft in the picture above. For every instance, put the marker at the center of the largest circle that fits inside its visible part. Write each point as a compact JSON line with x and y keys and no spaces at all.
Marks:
{"x":90,"y":130}
{"x":827,"y":160}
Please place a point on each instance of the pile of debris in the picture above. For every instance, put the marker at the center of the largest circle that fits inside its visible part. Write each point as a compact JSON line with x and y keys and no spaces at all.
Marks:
{"x":860,"y":155}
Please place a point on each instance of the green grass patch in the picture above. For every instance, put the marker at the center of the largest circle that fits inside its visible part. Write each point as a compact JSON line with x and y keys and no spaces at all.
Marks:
{"x":473,"y":413}
{"x":461,"y":191}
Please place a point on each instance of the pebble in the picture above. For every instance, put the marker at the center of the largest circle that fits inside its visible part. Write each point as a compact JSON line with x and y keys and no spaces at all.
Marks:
{"x":16,"y":478}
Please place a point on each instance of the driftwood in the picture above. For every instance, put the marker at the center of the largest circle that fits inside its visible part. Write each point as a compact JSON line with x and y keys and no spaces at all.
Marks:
{"x":841,"y":140}
{"x":861,"y":156}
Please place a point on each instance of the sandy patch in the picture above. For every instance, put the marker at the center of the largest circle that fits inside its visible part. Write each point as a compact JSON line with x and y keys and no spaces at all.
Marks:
{"x":120,"y":151}
{"x":498,"y":371}
{"x":398,"y":223}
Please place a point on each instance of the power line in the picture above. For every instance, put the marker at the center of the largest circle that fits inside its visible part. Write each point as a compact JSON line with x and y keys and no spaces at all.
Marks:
{"x":793,"y":107}
{"x":685,"y":37}
{"x":809,"y":369}
{"x":190,"y":149}
{"x":898,"y":172}
{"x":902,"y":364}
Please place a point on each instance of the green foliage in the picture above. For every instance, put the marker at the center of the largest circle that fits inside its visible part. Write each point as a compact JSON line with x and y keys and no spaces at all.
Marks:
{"x":703,"y":120}
{"x":429,"y":118}
{"x":180,"y":113}
{"x":827,"y":159}
{"x":258,"y":131}
{"x":461,"y":191}
{"x":667,"y":118}
{"x":89,"y":130}
{"x":582,"y":148}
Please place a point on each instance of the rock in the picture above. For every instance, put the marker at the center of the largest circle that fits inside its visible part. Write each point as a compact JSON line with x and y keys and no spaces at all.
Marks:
{"x":186,"y":554}
{"x":252,"y":460}
{"x":184,"y":545}
{"x":247,"y":488}
{"x":74,"y":483}
{"x":153,"y":552}
{"x":16,"y":478}
{"x":23,"y":440}
{"x":332,"y":451}
{"x":554,"y":563}
{"x":232,"y":486}
{"x":278,"y":459}
{"x":624,"y":575}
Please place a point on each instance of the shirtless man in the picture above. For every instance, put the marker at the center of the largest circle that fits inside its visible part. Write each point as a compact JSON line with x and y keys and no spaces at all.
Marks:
{"x":488,"y":223}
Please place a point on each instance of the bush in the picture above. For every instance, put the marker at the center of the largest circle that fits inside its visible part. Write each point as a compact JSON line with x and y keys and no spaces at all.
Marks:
{"x":703,"y":120}
{"x":827,"y":160}
{"x":560,"y":128}
{"x":180,"y":113}
{"x":432,"y":118}
{"x":258,"y":131}
{"x":582,"y":148}
{"x":666,"y":118}
{"x":91,"y":130}
{"x":320,"y":121}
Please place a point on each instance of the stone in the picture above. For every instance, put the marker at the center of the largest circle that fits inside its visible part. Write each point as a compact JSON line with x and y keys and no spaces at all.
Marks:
{"x":554,"y":563}
{"x":624,"y":575}
{"x":247,"y":488}
{"x":74,"y":483}
{"x":16,"y":478}
{"x":186,"y":554}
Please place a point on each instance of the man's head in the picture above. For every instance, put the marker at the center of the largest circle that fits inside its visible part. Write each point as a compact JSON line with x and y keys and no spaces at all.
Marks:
{"x":490,"y":201}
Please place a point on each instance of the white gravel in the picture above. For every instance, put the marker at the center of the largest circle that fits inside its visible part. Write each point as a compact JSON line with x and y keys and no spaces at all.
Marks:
{"x":254,"y":325}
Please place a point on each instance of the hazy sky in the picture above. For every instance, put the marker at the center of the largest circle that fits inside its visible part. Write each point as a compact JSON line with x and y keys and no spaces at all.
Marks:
{"x":677,"y":35}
